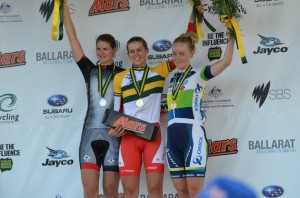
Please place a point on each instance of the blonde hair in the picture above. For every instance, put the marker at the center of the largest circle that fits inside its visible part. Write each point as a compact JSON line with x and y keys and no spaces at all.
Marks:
{"x":189,"y":38}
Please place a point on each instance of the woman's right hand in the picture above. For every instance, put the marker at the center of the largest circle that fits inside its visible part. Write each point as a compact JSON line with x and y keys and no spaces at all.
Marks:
{"x":117,"y":131}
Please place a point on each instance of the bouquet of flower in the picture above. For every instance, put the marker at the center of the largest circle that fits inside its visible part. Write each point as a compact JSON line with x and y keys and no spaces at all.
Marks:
{"x":229,"y":12}
{"x":198,"y":18}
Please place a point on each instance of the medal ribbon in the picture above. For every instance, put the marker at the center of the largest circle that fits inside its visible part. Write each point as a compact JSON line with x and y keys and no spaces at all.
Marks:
{"x":58,"y":17}
{"x":102,"y":90}
{"x":139,"y":90}
{"x":176,"y":86}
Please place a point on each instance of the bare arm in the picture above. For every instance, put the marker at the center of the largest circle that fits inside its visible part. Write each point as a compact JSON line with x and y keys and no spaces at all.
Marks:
{"x":221,"y":65}
{"x":71,"y":32}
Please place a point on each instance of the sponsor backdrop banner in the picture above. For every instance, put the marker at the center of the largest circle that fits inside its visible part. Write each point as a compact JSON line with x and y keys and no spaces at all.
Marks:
{"x":252,"y":109}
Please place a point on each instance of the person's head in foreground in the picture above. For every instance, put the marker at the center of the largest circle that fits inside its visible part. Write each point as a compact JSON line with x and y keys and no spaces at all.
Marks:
{"x":224,"y":187}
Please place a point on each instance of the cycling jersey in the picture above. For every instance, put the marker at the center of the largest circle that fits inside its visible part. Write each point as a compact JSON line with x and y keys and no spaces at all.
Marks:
{"x":186,"y":139}
{"x":126,"y":92}
{"x":97,"y":147}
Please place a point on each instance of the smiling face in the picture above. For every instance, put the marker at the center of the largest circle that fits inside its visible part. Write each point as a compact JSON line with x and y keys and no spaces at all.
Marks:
{"x":137,"y":53}
{"x":181,"y":55}
{"x":105,"y":52}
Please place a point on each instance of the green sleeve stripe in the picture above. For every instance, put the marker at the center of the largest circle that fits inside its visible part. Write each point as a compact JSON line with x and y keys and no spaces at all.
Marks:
{"x":202,"y":74}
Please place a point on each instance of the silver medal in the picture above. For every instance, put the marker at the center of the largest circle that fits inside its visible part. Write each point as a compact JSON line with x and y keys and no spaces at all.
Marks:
{"x":102,"y":102}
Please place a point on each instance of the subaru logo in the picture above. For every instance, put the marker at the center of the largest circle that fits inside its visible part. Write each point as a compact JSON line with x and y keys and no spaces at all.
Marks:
{"x":57,"y":100}
{"x":162,"y":45}
{"x":272,"y":191}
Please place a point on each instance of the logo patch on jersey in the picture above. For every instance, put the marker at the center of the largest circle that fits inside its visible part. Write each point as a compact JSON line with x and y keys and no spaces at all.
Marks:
{"x":198,"y":89}
{"x":197,"y":160}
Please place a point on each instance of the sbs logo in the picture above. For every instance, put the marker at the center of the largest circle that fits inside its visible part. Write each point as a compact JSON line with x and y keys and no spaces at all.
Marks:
{"x":260,"y":93}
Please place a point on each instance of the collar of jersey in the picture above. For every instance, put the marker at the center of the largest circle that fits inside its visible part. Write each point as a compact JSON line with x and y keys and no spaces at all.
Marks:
{"x":139,"y":68}
{"x":107,"y":67}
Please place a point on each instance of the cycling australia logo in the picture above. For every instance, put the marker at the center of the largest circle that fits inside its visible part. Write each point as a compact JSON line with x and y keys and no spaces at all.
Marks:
{"x":12,"y":59}
{"x":271,"y":45}
{"x":272,"y":191}
{"x":161,"y":47}
{"x":7,"y":15}
{"x":58,"y":111}
{"x":58,"y":158}
{"x":263,"y":92}
{"x":222,"y":147}
{"x":104,"y":7}
{"x":117,"y":62}
{"x":7,"y":104}
{"x":155,"y":5}
{"x":214,"y":99}
{"x":278,"y":146}
{"x":208,"y":8}
{"x":268,"y":3}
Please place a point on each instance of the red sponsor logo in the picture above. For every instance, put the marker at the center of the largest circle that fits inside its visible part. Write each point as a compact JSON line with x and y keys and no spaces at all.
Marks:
{"x":12,"y":59}
{"x":130,"y":125}
{"x":222,"y":147}
{"x":108,"y":6}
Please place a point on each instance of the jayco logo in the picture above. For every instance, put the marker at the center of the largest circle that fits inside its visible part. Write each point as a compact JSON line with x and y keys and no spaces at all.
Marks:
{"x":260,"y":93}
{"x":272,"y":45}
{"x":59,"y":158}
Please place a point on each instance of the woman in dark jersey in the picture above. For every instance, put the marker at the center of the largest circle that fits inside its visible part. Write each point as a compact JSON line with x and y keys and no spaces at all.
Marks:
{"x":97,"y":148}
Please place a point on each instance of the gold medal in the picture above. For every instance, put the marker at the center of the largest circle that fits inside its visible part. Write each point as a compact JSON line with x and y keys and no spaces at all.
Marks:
{"x":139,"y":102}
{"x":102,"y":102}
{"x":139,"y":88}
{"x":173,"y":105}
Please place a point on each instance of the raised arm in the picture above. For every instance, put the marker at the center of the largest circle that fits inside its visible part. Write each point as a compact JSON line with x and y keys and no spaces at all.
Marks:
{"x":71,"y":32}
{"x":221,"y":65}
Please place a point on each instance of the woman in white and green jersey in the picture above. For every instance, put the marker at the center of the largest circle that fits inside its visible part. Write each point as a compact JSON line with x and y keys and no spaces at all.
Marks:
{"x":186,"y":139}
